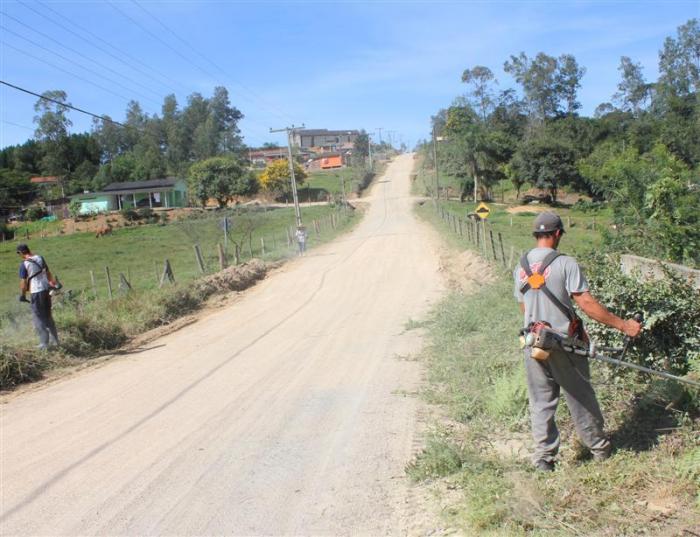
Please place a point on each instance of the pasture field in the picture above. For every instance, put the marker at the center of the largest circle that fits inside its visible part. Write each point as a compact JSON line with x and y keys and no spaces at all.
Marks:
{"x":139,"y":251}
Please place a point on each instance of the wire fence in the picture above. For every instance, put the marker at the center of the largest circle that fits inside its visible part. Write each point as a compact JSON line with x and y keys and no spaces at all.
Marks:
{"x":203,"y":248}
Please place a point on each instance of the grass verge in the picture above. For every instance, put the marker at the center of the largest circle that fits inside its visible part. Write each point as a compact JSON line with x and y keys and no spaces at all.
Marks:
{"x":480,"y":444}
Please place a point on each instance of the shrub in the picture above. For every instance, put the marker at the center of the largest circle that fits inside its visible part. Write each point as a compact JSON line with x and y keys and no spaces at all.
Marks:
{"x":145,"y":213}
{"x":130,"y":215}
{"x":83,"y":335}
{"x":6,"y":231}
{"x":74,"y":208}
{"x":18,"y":366}
{"x":671,"y":309}
{"x":35,"y":213}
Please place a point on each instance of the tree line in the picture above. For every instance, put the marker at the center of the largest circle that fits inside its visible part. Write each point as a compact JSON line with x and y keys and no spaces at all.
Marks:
{"x":140,"y":147}
{"x":639,"y":153}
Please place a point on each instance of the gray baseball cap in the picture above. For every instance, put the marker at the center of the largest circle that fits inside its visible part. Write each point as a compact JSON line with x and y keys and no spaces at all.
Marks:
{"x":547,"y":222}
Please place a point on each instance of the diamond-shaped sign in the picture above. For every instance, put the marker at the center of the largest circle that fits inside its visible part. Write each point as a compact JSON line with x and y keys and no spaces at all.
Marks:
{"x":483,"y":211}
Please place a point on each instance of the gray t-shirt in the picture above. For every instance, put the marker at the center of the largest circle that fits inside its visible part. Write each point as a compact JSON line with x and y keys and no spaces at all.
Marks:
{"x":563,"y":277}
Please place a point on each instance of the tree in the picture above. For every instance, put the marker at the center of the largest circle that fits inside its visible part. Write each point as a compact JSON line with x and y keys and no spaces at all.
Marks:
{"x":633,"y":91}
{"x":110,"y":137}
{"x":16,"y":190}
{"x":547,"y":162}
{"x":548,"y":83}
{"x":679,"y":60}
{"x":52,"y":131}
{"x":538,"y":78}
{"x":569,"y":75}
{"x":480,"y":78}
{"x":225,"y":118}
{"x":275,"y":177}
{"x":173,"y":132}
{"x":220,"y":178}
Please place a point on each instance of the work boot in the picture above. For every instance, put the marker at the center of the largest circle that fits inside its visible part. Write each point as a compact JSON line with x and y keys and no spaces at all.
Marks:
{"x":544,"y":466}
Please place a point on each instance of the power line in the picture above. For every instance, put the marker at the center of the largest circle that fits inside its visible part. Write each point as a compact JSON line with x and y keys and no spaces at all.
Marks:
{"x":16,"y":124}
{"x":148,"y":73}
{"x":65,"y":71}
{"x":171,"y":48}
{"x":121,"y":75}
{"x":189,"y":46}
{"x":158,"y":38}
{"x":66,"y":105}
{"x":64,"y":58}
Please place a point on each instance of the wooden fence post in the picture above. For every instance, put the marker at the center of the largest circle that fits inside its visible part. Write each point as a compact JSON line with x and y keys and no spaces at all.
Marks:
{"x":124,"y":285}
{"x":198,"y":258}
{"x":222,"y":257}
{"x":92,"y":280}
{"x":167,"y":274}
{"x":476,"y":234}
{"x":493,"y":245}
{"x":262,"y":246}
{"x":503,"y":253}
{"x":237,"y":254}
{"x":109,"y":283}
{"x":483,"y":242}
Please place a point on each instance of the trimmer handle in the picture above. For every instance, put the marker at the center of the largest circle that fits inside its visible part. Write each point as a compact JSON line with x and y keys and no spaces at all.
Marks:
{"x":627,"y":340}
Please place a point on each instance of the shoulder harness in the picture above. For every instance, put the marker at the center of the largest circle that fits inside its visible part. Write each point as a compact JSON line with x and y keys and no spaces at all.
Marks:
{"x":536,"y":281}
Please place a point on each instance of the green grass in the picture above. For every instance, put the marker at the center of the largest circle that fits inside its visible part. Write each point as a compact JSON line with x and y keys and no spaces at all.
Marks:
{"x":139,"y":252}
{"x":322,"y":183}
{"x":584,"y":231}
{"x":475,"y":374}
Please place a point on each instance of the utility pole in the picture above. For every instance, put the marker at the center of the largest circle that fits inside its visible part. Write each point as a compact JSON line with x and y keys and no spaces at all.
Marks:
{"x":437,"y":176}
{"x":380,"y":134}
{"x":290,"y":132}
{"x":369,"y":145}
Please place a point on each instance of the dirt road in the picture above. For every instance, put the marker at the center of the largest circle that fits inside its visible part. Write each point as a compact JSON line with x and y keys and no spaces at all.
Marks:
{"x":283,"y":414}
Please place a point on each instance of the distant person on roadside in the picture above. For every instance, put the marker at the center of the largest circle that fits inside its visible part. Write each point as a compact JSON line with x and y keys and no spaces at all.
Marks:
{"x":546,"y":285}
{"x":36,"y":278}
{"x":301,"y":237}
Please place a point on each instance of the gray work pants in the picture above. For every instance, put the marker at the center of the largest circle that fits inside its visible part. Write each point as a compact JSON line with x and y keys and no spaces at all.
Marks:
{"x":43,"y":320}
{"x":545,"y":380}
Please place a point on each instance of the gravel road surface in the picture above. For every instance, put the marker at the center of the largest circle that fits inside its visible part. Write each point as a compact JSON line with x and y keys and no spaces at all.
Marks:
{"x":287,"y":413}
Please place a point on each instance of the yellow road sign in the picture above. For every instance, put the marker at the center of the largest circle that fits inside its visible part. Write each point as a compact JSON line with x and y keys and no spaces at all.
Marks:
{"x":483,"y":211}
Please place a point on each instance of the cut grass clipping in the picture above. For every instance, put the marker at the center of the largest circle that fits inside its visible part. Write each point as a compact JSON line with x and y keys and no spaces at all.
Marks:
{"x":481,"y":445}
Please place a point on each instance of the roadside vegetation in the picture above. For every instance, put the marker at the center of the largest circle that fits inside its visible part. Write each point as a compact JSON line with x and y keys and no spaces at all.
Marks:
{"x":480,"y":441}
{"x":90,"y":324}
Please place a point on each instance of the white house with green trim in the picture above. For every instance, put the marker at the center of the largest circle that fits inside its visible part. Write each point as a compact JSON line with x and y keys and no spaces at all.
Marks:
{"x":155,"y":193}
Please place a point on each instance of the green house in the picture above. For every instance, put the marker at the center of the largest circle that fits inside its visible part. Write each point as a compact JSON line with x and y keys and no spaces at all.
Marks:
{"x":155,"y":193}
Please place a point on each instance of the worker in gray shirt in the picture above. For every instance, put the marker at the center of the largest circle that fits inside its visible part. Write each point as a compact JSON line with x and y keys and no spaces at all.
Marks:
{"x":36,"y":279}
{"x":547,"y":284}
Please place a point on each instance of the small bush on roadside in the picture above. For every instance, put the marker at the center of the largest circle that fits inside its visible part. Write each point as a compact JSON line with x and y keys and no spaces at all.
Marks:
{"x":18,"y":366}
{"x":179,"y":301}
{"x":439,"y":458}
{"x":507,"y":399}
{"x":82,"y":335}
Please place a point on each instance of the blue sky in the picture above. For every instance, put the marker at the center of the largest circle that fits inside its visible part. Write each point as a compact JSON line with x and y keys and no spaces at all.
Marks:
{"x":326,"y":64}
